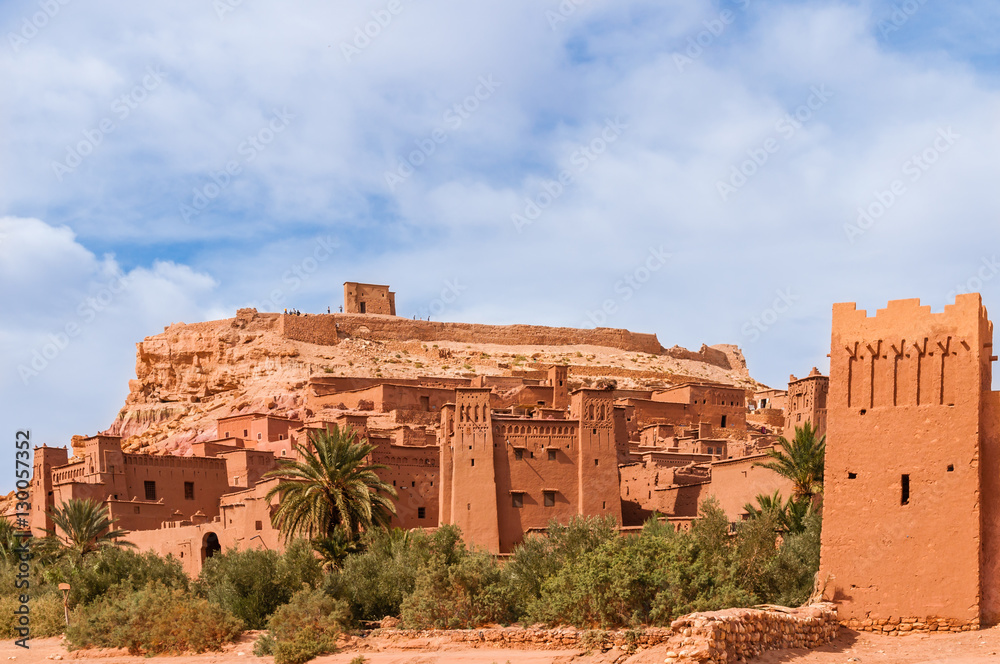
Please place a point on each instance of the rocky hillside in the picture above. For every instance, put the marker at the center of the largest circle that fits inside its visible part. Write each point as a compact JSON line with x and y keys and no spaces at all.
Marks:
{"x":190,"y":375}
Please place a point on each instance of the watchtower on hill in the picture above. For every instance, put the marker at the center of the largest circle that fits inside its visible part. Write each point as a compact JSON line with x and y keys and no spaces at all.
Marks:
{"x":368,"y":299}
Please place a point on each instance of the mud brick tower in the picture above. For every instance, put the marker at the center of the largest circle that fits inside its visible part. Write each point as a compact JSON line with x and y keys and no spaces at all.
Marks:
{"x":911,"y":532}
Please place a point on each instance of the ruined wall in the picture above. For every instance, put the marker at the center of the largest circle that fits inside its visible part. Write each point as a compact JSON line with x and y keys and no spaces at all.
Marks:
{"x":323,"y":329}
{"x":903,"y":524}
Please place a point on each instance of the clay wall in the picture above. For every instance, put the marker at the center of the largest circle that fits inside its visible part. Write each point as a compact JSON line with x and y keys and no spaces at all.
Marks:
{"x":736,"y":482}
{"x":255,"y":427}
{"x":907,"y":445}
{"x":646,"y":412}
{"x":209,"y":477}
{"x":415,"y":473}
{"x":534,"y":456}
{"x":211,"y":448}
{"x":244,"y":523}
{"x":723,"y":407}
{"x":990,"y":495}
{"x":323,"y":329}
{"x":244,"y":468}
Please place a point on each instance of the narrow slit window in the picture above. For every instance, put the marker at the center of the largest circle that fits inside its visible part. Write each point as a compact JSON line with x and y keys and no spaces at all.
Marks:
{"x":904,"y":498}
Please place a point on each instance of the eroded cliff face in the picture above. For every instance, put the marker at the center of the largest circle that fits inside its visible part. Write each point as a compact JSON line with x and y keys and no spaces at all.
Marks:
{"x":190,"y":375}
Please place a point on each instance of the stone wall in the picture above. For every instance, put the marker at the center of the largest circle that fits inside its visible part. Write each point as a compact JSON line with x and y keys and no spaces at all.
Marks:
{"x":732,"y":634}
{"x":705,"y":638}
{"x":898,"y":626}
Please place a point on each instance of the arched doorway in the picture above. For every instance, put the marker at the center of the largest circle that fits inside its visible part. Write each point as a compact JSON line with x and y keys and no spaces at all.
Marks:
{"x":210,"y":546}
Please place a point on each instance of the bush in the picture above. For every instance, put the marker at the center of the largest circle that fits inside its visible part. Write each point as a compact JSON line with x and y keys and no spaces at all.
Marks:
{"x":375,"y":582}
{"x":252,"y":584}
{"x":153,"y":620}
{"x":468,"y":592}
{"x":47,"y":615}
{"x":307,"y":627}
{"x":94,"y":575}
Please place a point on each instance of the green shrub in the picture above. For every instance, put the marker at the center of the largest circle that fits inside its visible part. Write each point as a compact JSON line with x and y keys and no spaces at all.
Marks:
{"x":153,"y":620}
{"x":306,"y":627}
{"x":94,"y":575}
{"x":468,"y":592}
{"x":375,"y":582}
{"x":47,"y":615}
{"x":252,"y":584}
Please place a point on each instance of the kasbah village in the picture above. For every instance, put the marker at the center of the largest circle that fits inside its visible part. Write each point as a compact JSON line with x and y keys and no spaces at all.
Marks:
{"x":505,"y":430}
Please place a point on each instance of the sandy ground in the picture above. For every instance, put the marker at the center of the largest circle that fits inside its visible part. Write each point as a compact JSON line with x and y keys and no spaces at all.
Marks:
{"x":965,"y":648}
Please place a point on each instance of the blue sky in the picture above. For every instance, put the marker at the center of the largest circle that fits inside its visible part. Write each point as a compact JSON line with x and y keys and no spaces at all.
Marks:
{"x":713,"y":172}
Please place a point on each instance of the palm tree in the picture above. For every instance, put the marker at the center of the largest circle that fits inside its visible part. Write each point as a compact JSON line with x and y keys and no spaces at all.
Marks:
{"x":331,"y":488}
{"x":10,"y":541}
{"x":84,"y":526}
{"x":790,"y":515}
{"x":801,"y":461}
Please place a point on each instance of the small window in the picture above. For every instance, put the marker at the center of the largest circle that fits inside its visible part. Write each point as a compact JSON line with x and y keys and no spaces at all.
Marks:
{"x":852,"y":476}
{"x":473,"y":461}
{"x":604,"y":504}
{"x":597,"y":462}
{"x":136,"y":509}
{"x":516,"y":500}
{"x":394,"y":482}
{"x":904,"y":498}
{"x":951,"y":468}
{"x":189,"y":491}
{"x":258,"y":525}
{"x":518,"y":454}
{"x":412,"y":484}
{"x":552,"y":455}
{"x":150,"y":488}
{"x":258,"y":435}
{"x":421,"y":512}
{"x":549,"y":498}
{"x":245,"y":433}
{"x":723,"y":421}
{"x":595,"y":432}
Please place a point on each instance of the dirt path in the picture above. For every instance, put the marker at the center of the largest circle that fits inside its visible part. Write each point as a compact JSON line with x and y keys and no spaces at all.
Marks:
{"x":981,"y":647}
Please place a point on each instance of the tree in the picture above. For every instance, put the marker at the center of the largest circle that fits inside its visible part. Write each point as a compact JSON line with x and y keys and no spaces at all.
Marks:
{"x":790,"y":515}
{"x":801,"y":461}
{"x":331,"y":488}
{"x":84,"y":526}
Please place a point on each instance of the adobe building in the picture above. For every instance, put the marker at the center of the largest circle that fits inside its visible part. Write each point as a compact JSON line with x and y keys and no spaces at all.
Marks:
{"x":502,"y":476}
{"x":806,"y":402}
{"x":140,"y":490}
{"x":911,"y":523}
{"x":368,"y":299}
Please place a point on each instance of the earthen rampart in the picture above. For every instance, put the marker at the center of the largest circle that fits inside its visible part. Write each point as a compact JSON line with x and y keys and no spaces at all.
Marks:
{"x":328,"y":329}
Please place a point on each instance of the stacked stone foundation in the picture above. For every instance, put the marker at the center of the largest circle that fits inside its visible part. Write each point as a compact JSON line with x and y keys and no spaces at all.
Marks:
{"x":718,"y":637}
{"x":896,"y":626}
{"x":734,"y":635}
